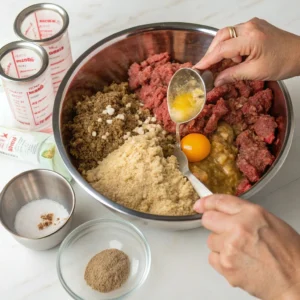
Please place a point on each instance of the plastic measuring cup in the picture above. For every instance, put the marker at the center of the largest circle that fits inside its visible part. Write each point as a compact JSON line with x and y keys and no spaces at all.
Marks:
{"x":47,"y":25}
{"x":27,"y":82}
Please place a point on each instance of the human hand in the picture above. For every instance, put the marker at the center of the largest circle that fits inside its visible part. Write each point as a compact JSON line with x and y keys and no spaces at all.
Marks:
{"x":251,"y":248}
{"x":270,"y":53}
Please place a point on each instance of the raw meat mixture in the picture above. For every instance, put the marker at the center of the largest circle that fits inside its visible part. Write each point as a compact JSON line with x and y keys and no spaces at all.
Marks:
{"x":244,"y":105}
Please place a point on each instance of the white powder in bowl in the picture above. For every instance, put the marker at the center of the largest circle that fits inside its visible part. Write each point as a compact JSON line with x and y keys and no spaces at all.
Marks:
{"x":30,"y":216}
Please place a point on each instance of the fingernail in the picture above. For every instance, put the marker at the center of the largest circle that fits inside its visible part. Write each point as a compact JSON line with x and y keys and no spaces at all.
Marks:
{"x":198,"y":206}
{"x":199,"y":65}
{"x":219,"y":82}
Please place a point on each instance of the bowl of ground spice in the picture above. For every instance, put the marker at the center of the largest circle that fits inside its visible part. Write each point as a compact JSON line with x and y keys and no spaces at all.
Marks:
{"x":103,"y":259}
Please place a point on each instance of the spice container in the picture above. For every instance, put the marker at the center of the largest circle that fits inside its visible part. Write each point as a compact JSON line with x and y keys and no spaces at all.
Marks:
{"x":37,"y":148}
{"x":27,"y":82}
{"x":47,"y":25}
{"x":33,"y":201}
{"x":90,"y":239}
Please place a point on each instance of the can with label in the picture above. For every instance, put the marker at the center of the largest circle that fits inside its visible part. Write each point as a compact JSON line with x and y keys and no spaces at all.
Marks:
{"x":25,"y":74}
{"x":47,"y":25}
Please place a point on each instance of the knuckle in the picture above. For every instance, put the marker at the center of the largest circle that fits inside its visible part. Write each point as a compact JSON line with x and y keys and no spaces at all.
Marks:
{"x":234,"y":281}
{"x":250,"y":25}
{"x":240,"y":230}
{"x":211,"y":259}
{"x":209,"y":241}
{"x":255,"y":20}
{"x":220,"y":47}
{"x":222,"y":32}
{"x":260,"y":35}
{"x":206,"y":217}
{"x":256,"y":211}
{"x":220,"y":201}
{"x":235,"y":77}
{"x":232,"y":247}
{"x":227,"y":262}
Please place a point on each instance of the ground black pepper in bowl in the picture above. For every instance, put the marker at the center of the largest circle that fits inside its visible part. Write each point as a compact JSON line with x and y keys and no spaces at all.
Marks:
{"x":107,"y":270}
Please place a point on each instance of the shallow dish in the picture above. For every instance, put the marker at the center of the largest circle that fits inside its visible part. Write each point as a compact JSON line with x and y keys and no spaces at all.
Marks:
{"x":91,"y":238}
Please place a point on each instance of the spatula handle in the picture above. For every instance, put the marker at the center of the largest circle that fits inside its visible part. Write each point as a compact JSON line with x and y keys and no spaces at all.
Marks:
{"x":199,"y":187}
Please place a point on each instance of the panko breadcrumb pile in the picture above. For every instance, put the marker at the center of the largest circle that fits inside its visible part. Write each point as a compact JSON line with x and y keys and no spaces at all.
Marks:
{"x":138,"y":176}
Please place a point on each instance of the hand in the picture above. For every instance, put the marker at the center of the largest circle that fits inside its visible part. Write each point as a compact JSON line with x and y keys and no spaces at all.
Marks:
{"x":270,"y":53}
{"x":251,"y":248}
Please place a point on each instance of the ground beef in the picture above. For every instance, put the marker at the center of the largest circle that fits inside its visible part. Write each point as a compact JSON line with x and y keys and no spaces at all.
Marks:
{"x":244,"y":105}
{"x":254,"y":156}
{"x":265,"y":127}
{"x":218,"y":111}
{"x":262,"y":100}
{"x":244,"y":89}
{"x":243,"y":186}
{"x":217,"y":93}
{"x":150,"y":80}
{"x":256,"y":85}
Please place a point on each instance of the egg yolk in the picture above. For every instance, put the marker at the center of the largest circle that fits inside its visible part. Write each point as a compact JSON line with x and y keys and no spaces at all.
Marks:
{"x":195,"y":146}
{"x":183,"y":107}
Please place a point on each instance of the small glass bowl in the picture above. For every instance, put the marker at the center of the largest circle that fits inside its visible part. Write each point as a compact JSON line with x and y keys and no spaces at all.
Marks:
{"x":91,"y":238}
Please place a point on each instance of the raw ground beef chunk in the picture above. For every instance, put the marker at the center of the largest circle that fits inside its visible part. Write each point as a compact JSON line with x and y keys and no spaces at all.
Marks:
{"x":150,"y":80}
{"x":265,"y":127}
{"x":254,"y":156}
{"x":218,"y":111}
{"x":244,"y":105}
{"x":243,"y":186}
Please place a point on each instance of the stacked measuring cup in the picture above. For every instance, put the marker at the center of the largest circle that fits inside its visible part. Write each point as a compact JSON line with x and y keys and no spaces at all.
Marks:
{"x":32,"y":69}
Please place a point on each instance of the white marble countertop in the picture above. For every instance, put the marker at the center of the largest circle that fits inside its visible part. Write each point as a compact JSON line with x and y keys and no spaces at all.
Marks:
{"x":179,"y":268}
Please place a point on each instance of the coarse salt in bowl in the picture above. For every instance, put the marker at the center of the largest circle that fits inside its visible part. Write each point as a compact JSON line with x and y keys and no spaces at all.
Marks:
{"x":31,"y":195}
{"x":93,"y":237}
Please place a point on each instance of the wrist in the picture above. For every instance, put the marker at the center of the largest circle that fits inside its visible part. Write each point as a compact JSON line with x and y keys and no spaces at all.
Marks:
{"x":295,"y":57}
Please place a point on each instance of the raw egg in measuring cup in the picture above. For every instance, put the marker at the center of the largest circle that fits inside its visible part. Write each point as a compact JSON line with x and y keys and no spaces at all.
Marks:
{"x":195,"y":146}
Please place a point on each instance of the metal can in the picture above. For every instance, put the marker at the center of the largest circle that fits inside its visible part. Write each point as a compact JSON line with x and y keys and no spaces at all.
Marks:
{"x":47,"y":25}
{"x":25,"y":73}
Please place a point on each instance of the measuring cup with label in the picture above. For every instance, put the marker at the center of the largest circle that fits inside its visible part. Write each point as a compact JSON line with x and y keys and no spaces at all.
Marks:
{"x":47,"y":25}
{"x":27,"y":82}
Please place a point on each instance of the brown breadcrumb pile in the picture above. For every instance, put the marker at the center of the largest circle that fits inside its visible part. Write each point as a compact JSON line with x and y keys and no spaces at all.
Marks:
{"x":103,"y":122}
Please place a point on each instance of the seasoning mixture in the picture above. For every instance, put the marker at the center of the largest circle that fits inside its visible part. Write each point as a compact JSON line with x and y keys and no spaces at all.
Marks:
{"x":138,"y":176}
{"x":103,"y":122}
{"x":40,"y":218}
{"x":107,"y":270}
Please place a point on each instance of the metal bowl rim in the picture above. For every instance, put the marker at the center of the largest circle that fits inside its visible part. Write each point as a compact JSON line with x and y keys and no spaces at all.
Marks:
{"x":122,"y":209}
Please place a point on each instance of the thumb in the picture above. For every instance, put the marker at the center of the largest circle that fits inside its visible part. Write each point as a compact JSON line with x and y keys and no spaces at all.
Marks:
{"x":243,"y":71}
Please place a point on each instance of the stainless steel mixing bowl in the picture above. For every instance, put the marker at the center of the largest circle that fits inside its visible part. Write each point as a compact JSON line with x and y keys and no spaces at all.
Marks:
{"x":109,"y":60}
{"x":35,"y":185}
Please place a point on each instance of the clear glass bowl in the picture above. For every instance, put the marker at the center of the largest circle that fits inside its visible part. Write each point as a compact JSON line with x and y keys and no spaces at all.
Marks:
{"x":91,"y":238}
